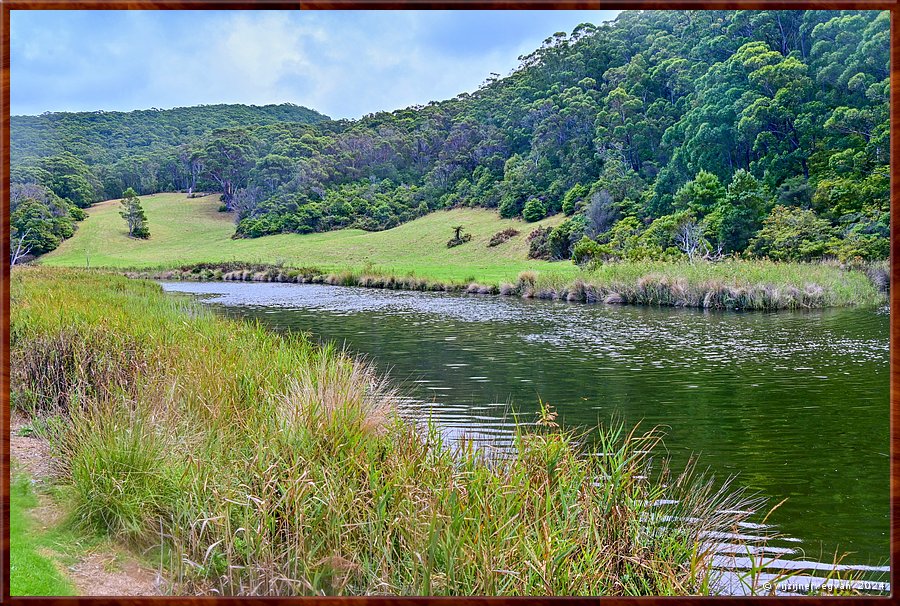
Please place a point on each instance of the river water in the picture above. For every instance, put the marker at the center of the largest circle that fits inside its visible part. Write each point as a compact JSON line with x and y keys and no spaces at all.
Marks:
{"x":795,"y":404}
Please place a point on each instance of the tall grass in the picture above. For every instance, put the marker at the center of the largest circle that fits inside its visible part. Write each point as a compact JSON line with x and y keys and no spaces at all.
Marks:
{"x":265,"y":464}
{"x":734,"y":284}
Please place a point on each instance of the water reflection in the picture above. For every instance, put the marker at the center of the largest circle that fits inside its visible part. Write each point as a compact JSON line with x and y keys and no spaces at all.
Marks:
{"x":796,"y":403}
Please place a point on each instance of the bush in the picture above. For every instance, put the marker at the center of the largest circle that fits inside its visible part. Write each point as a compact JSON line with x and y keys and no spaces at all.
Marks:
{"x":458,"y":237}
{"x":534,"y":210}
{"x":860,"y":247}
{"x":510,"y":206}
{"x":502,"y":236}
{"x":539,"y":243}
{"x":587,"y":251}
{"x":565,"y":235}
{"x":575,"y":195}
{"x":76,"y":213}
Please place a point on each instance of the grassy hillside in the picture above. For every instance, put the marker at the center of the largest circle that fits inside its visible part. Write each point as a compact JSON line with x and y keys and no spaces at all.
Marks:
{"x":191,"y":230}
{"x":187,"y":231}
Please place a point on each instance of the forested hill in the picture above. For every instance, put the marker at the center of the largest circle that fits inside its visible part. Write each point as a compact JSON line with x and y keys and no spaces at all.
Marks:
{"x":662,"y":133}
{"x":111,"y":142}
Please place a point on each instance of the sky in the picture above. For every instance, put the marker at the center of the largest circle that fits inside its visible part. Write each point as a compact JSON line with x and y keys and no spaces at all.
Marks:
{"x":344,"y":64}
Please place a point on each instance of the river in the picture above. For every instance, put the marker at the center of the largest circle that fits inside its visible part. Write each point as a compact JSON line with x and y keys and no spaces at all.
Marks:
{"x":795,"y":404}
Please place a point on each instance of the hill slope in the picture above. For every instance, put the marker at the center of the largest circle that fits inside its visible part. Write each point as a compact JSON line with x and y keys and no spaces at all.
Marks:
{"x":191,"y":230}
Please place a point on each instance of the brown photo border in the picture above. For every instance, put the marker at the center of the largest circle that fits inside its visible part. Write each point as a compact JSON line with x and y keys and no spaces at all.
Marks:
{"x":7,"y":5}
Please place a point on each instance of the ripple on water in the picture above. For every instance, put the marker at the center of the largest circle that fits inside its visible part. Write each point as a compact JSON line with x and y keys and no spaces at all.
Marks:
{"x":778,"y":398}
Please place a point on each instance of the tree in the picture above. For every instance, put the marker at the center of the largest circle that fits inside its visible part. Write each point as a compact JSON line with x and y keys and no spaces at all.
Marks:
{"x":514,"y":187}
{"x":71,"y":179}
{"x":601,"y":214}
{"x":740,"y":214}
{"x":134,"y":215}
{"x":534,"y":210}
{"x":689,"y":238}
{"x":700,"y":195}
{"x":18,"y":246}
{"x":38,"y":231}
{"x":458,"y":237}
{"x":228,"y":158}
{"x":792,"y":234}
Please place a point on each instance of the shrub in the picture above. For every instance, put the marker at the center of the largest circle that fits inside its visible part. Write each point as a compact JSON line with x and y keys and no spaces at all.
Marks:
{"x":539,"y":243}
{"x":859,"y":247}
{"x":76,"y":213}
{"x":458,"y":237}
{"x":588,"y":251}
{"x":502,"y":236}
{"x":534,"y":210}
{"x":565,"y":235}
{"x":575,"y":195}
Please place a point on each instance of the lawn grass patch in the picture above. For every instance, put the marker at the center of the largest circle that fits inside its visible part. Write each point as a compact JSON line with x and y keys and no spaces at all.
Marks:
{"x":32,"y":572}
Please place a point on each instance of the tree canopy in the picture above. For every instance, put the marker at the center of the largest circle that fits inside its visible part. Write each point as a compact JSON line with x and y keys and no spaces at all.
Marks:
{"x":731,"y":116}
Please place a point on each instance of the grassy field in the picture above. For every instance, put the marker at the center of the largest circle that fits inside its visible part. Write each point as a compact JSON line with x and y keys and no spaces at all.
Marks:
{"x":276,"y":466}
{"x":31,"y":571}
{"x":191,"y":230}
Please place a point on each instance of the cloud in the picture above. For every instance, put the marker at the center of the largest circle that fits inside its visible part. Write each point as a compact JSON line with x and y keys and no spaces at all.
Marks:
{"x":342,"y":63}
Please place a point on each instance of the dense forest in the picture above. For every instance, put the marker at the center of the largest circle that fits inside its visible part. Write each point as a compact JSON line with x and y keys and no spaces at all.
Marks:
{"x":64,"y":162}
{"x":661,"y":134}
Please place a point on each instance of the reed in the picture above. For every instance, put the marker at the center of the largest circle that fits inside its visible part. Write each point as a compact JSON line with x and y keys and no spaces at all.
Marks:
{"x":743,"y":285}
{"x":264,"y":464}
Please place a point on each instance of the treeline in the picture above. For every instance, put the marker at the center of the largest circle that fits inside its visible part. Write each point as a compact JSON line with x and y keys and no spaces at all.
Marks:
{"x":664,"y":133}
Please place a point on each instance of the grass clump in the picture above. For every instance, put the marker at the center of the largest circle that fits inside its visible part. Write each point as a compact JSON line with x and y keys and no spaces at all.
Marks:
{"x":744,"y":285}
{"x":263,"y":464}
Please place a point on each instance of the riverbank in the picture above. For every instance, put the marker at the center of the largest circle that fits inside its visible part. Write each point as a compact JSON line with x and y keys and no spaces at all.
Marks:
{"x":191,"y":239}
{"x":270,"y":465}
{"x":742,"y":285}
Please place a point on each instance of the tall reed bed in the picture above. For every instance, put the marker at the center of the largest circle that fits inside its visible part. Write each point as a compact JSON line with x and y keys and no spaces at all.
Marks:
{"x":264,"y":464}
{"x":733,"y":284}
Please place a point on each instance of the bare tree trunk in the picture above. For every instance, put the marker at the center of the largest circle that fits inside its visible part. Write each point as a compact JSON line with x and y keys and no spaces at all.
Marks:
{"x":21,"y":249}
{"x":689,"y":238}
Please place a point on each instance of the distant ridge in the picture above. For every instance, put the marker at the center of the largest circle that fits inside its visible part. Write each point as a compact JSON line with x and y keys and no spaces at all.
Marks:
{"x":101,"y":136}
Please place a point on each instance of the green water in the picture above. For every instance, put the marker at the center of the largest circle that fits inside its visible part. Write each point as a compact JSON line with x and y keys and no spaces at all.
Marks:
{"x":794,"y":404}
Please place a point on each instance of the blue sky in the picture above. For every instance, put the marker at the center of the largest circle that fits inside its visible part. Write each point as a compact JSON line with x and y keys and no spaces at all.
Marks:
{"x":342,"y":63}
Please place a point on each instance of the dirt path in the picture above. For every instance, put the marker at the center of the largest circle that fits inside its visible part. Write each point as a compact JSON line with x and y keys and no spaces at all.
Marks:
{"x":104,"y":571}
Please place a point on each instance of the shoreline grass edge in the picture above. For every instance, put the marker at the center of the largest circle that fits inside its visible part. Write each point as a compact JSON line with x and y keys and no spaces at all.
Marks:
{"x":737,"y":285}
